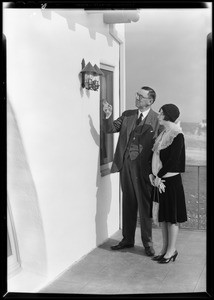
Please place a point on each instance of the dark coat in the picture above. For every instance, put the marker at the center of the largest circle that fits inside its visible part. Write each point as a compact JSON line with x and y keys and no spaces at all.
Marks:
{"x":146,"y":137}
{"x":173,"y":157}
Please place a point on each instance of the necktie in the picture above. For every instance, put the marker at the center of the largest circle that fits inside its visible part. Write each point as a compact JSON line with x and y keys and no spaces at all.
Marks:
{"x":139,"y":119}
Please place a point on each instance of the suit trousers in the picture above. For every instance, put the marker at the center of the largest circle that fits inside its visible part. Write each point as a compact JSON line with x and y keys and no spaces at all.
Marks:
{"x":136,"y":191}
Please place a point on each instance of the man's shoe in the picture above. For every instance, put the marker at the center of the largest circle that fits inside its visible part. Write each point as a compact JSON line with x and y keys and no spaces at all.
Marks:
{"x":149,"y":251}
{"x":121,"y":246}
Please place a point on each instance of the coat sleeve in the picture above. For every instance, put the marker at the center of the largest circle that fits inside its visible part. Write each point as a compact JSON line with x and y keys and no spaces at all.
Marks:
{"x":111,"y":126}
{"x":150,"y":164}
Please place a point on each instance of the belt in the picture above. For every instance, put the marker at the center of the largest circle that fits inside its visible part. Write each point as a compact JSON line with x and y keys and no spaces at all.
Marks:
{"x":170,"y":174}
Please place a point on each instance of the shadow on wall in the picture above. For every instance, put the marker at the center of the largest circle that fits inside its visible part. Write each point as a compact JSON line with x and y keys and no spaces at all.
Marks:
{"x":104,"y":194}
{"x":24,"y":203}
{"x":91,"y":22}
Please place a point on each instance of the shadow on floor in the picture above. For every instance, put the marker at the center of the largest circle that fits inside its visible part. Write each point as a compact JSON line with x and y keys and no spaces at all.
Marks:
{"x":130,"y":271}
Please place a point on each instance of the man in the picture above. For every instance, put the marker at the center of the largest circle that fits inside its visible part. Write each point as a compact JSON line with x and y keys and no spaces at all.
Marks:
{"x":138,"y":129}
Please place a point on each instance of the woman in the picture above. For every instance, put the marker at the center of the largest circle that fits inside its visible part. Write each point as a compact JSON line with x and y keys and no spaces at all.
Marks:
{"x":167,"y":163}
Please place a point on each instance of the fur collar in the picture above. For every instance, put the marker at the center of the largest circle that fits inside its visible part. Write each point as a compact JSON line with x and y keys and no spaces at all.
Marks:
{"x":167,"y":136}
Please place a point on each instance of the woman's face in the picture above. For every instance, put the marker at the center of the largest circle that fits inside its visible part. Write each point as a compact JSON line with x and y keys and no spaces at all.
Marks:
{"x":161,"y":117}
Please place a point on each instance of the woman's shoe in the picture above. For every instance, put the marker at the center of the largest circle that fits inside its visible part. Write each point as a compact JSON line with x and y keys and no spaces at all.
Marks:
{"x":158,"y":257}
{"x":167,"y":260}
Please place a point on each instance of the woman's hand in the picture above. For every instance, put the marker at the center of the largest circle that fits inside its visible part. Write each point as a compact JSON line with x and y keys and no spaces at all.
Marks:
{"x":157,"y":181}
{"x":161,"y":187}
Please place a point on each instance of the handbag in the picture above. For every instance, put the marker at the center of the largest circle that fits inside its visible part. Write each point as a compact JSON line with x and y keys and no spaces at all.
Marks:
{"x":155,"y":206}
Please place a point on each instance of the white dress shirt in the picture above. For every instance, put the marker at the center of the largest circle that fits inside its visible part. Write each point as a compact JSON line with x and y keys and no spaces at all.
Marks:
{"x":145,"y":113}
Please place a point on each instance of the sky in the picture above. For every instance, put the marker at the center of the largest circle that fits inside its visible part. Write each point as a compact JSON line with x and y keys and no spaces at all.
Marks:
{"x":166,"y":50}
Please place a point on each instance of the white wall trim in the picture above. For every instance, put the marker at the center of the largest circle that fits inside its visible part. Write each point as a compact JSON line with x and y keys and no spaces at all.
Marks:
{"x":122,"y":85}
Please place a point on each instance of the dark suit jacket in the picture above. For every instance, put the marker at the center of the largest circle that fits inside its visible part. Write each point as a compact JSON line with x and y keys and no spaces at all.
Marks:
{"x":125,"y":124}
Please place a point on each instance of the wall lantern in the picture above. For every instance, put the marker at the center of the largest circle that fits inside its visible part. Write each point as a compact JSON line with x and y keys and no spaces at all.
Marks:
{"x":90,"y":76}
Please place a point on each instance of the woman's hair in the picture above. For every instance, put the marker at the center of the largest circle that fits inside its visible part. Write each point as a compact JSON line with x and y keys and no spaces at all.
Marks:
{"x":165,"y":117}
{"x":151,"y":92}
{"x":170,"y":111}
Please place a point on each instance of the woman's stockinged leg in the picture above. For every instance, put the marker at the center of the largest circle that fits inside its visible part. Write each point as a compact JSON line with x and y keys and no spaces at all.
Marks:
{"x":172,"y":238}
{"x":164,"y":230}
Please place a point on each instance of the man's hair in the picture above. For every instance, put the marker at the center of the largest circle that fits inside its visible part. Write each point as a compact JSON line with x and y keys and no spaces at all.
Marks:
{"x":151,"y":92}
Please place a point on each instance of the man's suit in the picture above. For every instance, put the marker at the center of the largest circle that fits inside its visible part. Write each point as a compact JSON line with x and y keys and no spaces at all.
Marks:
{"x":133,"y":160}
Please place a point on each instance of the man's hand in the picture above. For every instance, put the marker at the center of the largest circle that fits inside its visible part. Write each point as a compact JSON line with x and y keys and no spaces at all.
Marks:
{"x":107,"y":108}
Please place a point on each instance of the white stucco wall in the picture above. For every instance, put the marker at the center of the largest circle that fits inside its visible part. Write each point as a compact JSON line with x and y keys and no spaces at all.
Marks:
{"x":78,"y":208}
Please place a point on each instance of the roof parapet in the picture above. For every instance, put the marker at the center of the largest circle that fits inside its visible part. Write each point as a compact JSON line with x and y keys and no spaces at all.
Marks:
{"x":114,"y":17}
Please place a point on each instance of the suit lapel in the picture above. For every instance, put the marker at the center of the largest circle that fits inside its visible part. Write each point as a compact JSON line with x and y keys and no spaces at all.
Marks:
{"x":131,"y":123}
{"x":148,"y":122}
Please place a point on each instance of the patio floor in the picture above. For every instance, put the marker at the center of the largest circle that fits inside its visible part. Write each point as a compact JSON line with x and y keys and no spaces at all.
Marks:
{"x":130,"y":271}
